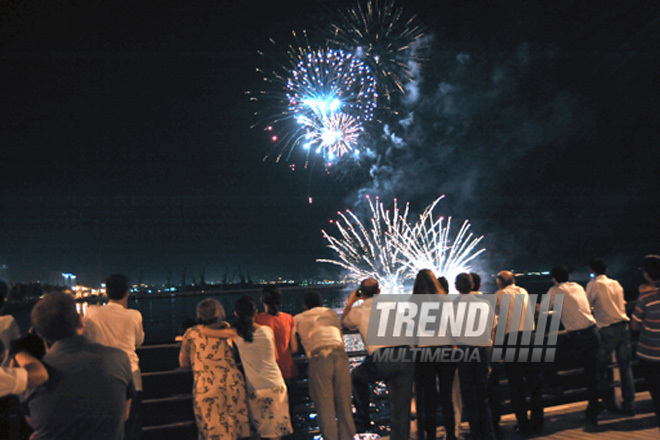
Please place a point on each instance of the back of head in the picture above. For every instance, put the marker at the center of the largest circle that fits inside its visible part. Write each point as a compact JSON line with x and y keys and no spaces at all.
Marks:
{"x":560,"y":274}
{"x":444,"y":283}
{"x":651,"y":265}
{"x":272,"y":297}
{"x":245,"y":310}
{"x":54,"y":317}
{"x":505,"y":278}
{"x":476,"y":281}
{"x":427,"y":284}
{"x":312,"y":299}
{"x":598,"y":266}
{"x":369,"y":287}
{"x":464,"y":282}
{"x":210,"y":311}
{"x":116,"y":286}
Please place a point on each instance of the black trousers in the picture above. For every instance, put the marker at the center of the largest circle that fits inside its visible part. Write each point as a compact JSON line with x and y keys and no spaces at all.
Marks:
{"x":651,"y":372}
{"x":584,"y":345}
{"x":523,"y":378}
{"x":427,"y":394}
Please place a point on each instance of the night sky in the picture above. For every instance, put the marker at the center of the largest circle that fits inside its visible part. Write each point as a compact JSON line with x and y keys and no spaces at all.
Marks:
{"x":125,"y":140}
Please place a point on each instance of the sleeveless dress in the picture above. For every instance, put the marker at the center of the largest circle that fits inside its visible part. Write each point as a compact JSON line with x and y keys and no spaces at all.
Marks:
{"x":219,"y":394}
{"x":267,"y":392}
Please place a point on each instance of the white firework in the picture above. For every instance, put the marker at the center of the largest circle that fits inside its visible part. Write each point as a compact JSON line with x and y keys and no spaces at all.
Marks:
{"x":392,"y":250}
{"x":429,"y":244}
{"x":368,"y":251}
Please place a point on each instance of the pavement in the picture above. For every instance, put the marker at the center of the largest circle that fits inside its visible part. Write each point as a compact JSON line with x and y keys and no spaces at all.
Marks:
{"x":566,"y":422}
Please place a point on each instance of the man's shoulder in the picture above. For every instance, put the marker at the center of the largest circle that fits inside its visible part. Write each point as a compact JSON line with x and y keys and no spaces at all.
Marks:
{"x":94,"y":311}
{"x":572,"y":287}
{"x":134,"y":313}
{"x":6,"y":318}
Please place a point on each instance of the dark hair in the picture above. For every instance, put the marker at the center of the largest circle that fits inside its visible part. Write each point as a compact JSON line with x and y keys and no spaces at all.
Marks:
{"x":464,"y":282}
{"x":116,"y":286}
{"x":31,"y":344}
{"x":476,"y":281}
{"x":312,"y":299}
{"x":272,"y":297}
{"x":560,"y":274}
{"x":651,"y":265}
{"x":3,"y":293}
{"x":444,"y":284}
{"x":55,"y":317}
{"x":369,"y":288}
{"x":506,"y":278}
{"x":598,"y":266}
{"x":245,"y":309}
{"x":210,"y":311}
{"x":426,"y":284}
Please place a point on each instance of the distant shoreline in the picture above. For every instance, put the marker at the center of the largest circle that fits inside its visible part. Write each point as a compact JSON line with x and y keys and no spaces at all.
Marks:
{"x":213,"y":291}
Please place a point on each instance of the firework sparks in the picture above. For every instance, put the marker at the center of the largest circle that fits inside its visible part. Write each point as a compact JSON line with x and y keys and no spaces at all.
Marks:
{"x":326,"y":81}
{"x":429,"y":244}
{"x":332,"y":136}
{"x":328,"y":95}
{"x":368,"y":251}
{"x":385,"y":38}
{"x":392,"y":250}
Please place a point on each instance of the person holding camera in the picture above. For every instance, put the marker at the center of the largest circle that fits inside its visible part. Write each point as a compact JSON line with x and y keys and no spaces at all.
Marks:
{"x":398,"y":376}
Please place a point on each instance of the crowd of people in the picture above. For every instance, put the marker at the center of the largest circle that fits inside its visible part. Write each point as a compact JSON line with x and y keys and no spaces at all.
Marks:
{"x":79,"y":376}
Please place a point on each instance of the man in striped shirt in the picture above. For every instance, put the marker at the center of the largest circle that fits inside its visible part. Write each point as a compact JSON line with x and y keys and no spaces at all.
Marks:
{"x":646,"y":318}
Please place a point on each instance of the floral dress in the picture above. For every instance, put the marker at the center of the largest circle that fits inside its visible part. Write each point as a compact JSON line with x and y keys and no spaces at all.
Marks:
{"x":219,"y":393}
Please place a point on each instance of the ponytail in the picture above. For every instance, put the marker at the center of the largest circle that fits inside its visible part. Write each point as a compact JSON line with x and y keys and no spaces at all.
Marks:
{"x":245,"y":309}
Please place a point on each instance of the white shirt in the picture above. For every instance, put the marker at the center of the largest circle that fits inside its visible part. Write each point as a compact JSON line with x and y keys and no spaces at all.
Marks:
{"x":606,"y":298}
{"x":114,"y":325}
{"x":319,"y":328}
{"x":576,"y":311}
{"x":9,"y":332}
{"x":258,"y":359}
{"x":513,"y":291}
{"x":13,"y":380}
{"x":358,"y":319}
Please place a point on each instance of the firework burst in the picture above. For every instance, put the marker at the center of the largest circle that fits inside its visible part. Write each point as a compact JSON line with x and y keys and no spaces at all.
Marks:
{"x":368,"y":251}
{"x":386,"y":39}
{"x":392,"y":250}
{"x":332,"y":136}
{"x":429,"y":244}
{"x":325,"y":97}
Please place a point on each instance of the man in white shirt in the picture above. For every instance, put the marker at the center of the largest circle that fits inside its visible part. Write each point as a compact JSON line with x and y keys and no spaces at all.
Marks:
{"x":329,"y":372}
{"x":115,"y":325}
{"x":398,"y":376}
{"x":609,"y":309}
{"x":520,"y":373}
{"x":9,"y":331}
{"x":581,"y":340}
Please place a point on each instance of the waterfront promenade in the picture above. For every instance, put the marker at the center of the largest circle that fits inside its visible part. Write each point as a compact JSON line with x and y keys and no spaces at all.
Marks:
{"x":564,"y":422}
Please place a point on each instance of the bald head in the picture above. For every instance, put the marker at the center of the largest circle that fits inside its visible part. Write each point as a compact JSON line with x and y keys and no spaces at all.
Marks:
{"x":369,"y":287}
{"x":505,"y":278}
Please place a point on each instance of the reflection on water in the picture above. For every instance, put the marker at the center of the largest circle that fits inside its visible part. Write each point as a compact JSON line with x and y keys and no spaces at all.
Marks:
{"x":163,"y":316}
{"x":81,"y":308}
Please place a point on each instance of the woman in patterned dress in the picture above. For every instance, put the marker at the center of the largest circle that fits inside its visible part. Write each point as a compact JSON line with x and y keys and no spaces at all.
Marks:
{"x":219,"y":396}
{"x":267,"y":392}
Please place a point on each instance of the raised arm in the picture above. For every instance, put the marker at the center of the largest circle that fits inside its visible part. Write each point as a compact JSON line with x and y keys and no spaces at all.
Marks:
{"x":352,"y":299}
{"x":293,"y":344}
{"x":221,"y":333}
{"x":37,"y":373}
